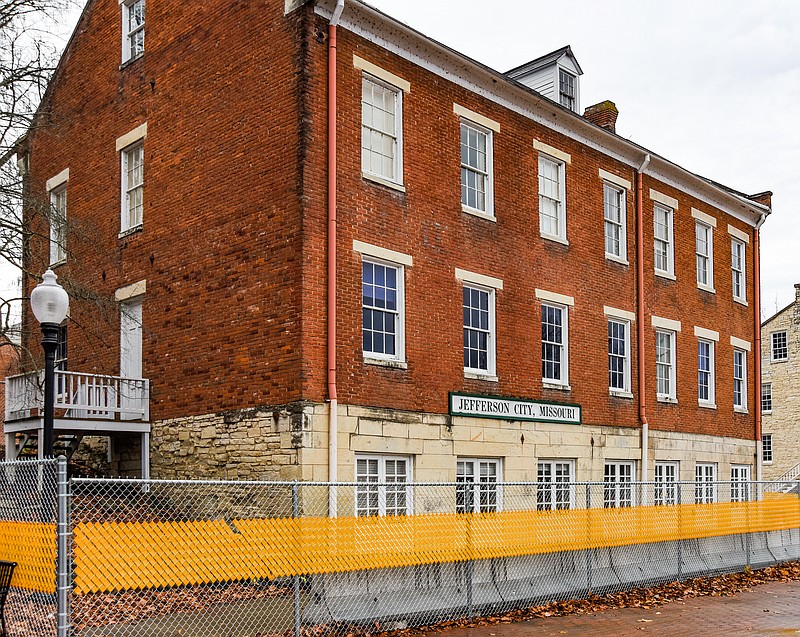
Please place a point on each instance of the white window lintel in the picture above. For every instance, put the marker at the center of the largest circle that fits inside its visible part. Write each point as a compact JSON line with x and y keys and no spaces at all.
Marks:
{"x":705,"y":218}
{"x":381,"y":74}
{"x":553,"y":152}
{"x":738,"y":234}
{"x":131,"y":291}
{"x":740,"y":343}
{"x":710,"y":335}
{"x":382,"y":253}
{"x":554,"y":297}
{"x":621,"y":314}
{"x":465,"y":276}
{"x":472,"y":116}
{"x":665,"y":323}
{"x":130,"y":138}
{"x":60,"y":179}
{"x":614,"y":179}
{"x":661,"y":198}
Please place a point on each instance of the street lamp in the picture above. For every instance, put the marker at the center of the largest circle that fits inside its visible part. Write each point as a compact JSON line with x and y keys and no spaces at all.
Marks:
{"x":50,"y":304}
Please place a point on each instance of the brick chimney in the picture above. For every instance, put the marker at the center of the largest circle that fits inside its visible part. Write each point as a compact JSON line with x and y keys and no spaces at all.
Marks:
{"x":603,"y":114}
{"x":796,"y":310}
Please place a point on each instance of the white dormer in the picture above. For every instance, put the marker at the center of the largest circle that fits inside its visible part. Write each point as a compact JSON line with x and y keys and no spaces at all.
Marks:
{"x":555,"y":75}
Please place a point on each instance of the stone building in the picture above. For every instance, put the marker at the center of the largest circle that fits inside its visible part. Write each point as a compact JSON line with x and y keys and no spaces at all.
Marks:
{"x":780,"y":392}
{"x":463,"y":277}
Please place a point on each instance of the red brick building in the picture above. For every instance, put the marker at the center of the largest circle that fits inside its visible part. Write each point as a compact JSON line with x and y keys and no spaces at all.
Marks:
{"x":486,"y":241}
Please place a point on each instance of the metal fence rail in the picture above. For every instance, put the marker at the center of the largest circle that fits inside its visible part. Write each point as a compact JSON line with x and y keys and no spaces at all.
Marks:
{"x":118,"y":558}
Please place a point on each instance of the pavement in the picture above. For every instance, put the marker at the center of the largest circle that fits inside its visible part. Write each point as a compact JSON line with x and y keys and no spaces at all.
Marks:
{"x":768,"y":610}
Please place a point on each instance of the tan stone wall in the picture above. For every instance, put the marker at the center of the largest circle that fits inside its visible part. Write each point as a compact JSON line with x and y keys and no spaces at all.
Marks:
{"x":435,"y":441}
{"x":784,"y":421}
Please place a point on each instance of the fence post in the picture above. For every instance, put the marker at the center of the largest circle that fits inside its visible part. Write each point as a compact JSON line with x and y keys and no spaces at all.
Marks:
{"x":745,"y":496}
{"x":680,"y":529}
{"x":62,"y":551}
{"x":295,"y":515}
{"x":589,"y":549}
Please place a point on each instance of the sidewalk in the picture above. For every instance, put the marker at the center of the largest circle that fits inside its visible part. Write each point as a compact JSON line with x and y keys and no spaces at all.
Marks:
{"x":769,"y":609}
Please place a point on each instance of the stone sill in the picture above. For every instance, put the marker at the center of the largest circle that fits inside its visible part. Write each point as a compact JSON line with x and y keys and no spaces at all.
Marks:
{"x":383,"y":182}
{"x":476,"y":376}
{"x":667,"y":400}
{"x":556,"y":386}
{"x":381,"y":362}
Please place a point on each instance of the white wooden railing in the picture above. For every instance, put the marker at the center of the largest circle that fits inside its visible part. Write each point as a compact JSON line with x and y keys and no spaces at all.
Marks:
{"x":80,"y":396}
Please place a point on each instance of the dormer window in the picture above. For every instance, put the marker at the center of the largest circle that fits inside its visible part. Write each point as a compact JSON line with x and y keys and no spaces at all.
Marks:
{"x":566,"y":89}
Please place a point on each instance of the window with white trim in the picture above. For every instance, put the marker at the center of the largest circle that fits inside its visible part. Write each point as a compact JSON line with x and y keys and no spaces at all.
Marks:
{"x":705,"y":373}
{"x":133,"y":13}
{"x":614,"y":221}
{"x":704,"y":251}
{"x":555,"y":344}
{"x":740,"y":483}
{"x":766,"y":448}
{"x":663,"y":243}
{"x":552,"y":198}
{"x":477,"y":490}
{"x":479,"y":338}
{"x":766,"y":398}
{"x":567,"y":93}
{"x":383,"y":485}
{"x":476,"y":167}
{"x":132,"y":186}
{"x":619,"y":355}
{"x":665,"y":490}
{"x":705,"y":483}
{"x":381,"y":129}
{"x":737,"y":269}
{"x":58,"y":225}
{"x":739,"y":379}
{"x":779,"y":346}
{"x":554,"y":489}
{"x":665,"y":364}
{"x":382,"y":310}
{"x":617,"y":484}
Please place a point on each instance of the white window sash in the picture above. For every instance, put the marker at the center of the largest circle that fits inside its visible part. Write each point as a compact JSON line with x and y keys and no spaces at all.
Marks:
{"x":664,"y":239}
{"x":58,"y":225}
{"x":704,"y":249}
{"x":666,"y":369}
{"x":711,"y":399}
{"x":476,"y":485}
{"x":382,"y":485}
{"x":626,"y":357}
{"x":738,"y":270}
{"x":395,"y":175}
{"x":550,"y":487}
{"x":740,"y":380}
{"x":620,"y":224}
{"x":132,"y":188}
{"x":486,"y":174}
{"x":555,"y":200}
{"x":399,"y":312}
{"x":491,"y":332}
{"x":561,"y":347}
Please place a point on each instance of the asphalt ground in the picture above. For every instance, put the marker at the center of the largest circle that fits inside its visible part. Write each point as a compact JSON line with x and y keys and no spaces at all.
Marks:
{"x":770,"y":609}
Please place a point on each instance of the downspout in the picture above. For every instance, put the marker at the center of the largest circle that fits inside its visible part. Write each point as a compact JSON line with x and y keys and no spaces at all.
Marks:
{"x":640,"y":318}
{"x":757,"y":348}
{"x":333,"y":430}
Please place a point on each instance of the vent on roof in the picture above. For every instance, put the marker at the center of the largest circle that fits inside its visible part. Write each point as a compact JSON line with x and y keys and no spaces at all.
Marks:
{"x":555,"y":75}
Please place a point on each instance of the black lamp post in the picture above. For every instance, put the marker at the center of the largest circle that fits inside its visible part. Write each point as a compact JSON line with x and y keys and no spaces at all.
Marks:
{"x":50,"y":304}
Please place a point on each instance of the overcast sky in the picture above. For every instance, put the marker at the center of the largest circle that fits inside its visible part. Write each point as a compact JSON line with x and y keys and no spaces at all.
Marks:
{"x":713,"y":85}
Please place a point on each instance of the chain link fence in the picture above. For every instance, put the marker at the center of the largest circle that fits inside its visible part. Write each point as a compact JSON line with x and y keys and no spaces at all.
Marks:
{"x":28,"y":536}
{"x":118,"y":558}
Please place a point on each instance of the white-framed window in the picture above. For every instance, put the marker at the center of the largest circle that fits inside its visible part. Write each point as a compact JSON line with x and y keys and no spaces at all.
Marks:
{"x":737,"y":269}
{"x":665,"y":365}
{"x":567,"y":89}
{"x":779,"y":346}
{"x":766,"y":448}
{"x":476,"y":167}
{"x":477,"y":490}
{"x":706,"y":385}
{"x":704,"y":251}
{"x":58,"y":225}
{"x":552,"y":198}
{"x":617,"y":484}
{"x":381,"y":129}
{"x":132,"y":186}
{"x":555,"y":489}
{"x":133,"y":13}
{"x":555,"y":344}
{"x":740,"y":483}
{"x":665,"y":490}
{"x":766,"y":398}
{"x":705,"y":483}
{"x":383,"y":485}
{"x":479,"y":329}
{"x":619,"y":355}
{"x":615,"y":221}
{"x":382,"y":310}
{"x":663,"y":240}
{"x":739,"y":379}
